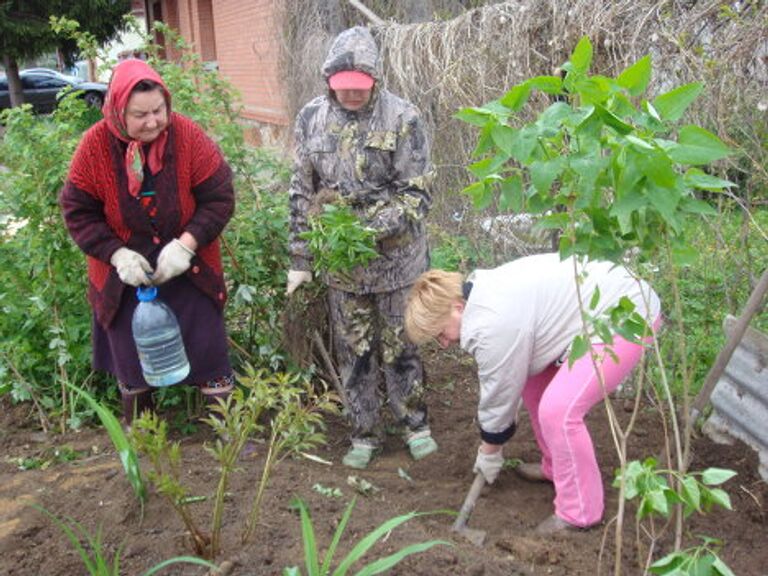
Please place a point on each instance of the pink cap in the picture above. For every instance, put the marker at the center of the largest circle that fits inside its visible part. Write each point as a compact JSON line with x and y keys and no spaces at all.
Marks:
{"x":350,"y":80}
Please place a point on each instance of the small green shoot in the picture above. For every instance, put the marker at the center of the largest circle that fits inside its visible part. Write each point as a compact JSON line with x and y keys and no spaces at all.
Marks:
{"x":312,"y":560}
{"x":127,"y":454}
{"x":362,"y":485}
{"x":93,"y":556}
{"x":327,"y":492}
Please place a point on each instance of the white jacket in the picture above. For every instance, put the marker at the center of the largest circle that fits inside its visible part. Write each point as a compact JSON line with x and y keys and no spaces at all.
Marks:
{"x":523,"y":316}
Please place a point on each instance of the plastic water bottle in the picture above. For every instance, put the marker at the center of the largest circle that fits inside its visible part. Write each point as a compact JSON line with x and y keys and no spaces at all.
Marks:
{"x":158,"y":340}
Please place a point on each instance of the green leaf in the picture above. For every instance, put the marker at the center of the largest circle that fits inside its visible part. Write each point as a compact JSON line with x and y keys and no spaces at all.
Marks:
{"x":516,"y":97}
{"x":673,"y":104}
{"x":180,"y":560}
{"x":614,"y":121}
{"x":337,"y":537}
{"x":595,"y":298}
{"x":475,"y":116}
{"x":551,"y":118}
{"x":721,"y":567}
{"x":487,"y":166}
{"x":719,"y":497}
{"x":658,"y":502}
{"x":716,"y":476}
{"x":384,"y":564}
{"x":690,"y":493}
{"x":311,"y":560}
{"x":668,"y":563}
{"x":369,"y":540}
{"x":128,"y":457}
{"x":698,"y":146}
{"x":635,"y":78}
{"x":511,"y":199}
{"x":581,"y":58}
{"x":545,"y":172}
{"x":579,"y":347}
{"x":695,"y":178}
{"x":547,"y":84}
{"x":525,"y":141}
{"x":481,"y":195}
{"x":696,"y":206}
{"x":504,"y":137}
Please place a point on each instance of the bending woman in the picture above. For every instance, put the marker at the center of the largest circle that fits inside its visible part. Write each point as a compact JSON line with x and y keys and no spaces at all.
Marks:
{"x":519,"y":321}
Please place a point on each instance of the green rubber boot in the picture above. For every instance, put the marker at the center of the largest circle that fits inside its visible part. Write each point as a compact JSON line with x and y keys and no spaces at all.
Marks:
{"x":421,"y":444}
{"x":359,"y":456}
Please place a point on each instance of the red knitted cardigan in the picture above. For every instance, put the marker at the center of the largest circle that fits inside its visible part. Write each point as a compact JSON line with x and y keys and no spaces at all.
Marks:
{"x":194,"y":194}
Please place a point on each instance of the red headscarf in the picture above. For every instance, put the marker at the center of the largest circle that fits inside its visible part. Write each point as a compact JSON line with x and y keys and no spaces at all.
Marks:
{"x":124,"y":77}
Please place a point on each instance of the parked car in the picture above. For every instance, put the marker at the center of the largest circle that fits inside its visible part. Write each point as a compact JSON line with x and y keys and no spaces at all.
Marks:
{"x":43,"y":88}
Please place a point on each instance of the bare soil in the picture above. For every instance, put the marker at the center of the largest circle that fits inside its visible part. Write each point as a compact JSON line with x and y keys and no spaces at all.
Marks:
{"x":93,"y":491}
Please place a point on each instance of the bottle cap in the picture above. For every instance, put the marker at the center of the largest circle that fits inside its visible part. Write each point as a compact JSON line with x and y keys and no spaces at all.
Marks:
{"x":146,"y":293}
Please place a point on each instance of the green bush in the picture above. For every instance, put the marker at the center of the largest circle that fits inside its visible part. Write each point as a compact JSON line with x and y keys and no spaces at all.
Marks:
{"x":44,"y":317}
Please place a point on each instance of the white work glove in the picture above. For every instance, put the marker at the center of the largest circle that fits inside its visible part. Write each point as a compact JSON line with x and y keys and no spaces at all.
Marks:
{"x":295,"y":279}
{"x":173,"y":260}
{"x":489,"y":465}
{"x":131,"y":266}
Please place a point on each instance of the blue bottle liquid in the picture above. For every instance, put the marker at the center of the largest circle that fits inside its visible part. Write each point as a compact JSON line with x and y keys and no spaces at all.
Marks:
{"x":158,"y":340}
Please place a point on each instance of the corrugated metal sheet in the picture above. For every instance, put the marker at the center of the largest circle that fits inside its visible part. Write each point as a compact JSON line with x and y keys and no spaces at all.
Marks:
{"x":740,"y":398}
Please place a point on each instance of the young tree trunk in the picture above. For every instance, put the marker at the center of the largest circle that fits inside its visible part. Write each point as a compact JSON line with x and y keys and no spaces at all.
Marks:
{"x":14,"y":82}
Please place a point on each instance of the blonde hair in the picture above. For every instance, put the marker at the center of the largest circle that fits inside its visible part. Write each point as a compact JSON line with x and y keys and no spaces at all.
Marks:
{"x":429,"y":304}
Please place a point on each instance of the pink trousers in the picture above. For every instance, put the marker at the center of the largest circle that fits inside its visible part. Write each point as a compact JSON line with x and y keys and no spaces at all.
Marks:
{"x":557,"y":400}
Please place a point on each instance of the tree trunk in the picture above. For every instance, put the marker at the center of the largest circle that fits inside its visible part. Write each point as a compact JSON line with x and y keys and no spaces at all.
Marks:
{"x":14,"y":82}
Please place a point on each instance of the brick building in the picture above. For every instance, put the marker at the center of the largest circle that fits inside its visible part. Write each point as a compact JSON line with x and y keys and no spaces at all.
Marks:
{"x":242,"y":40}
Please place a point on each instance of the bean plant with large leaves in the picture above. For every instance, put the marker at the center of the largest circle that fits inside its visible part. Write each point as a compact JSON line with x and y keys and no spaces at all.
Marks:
{"x":610,"y":170}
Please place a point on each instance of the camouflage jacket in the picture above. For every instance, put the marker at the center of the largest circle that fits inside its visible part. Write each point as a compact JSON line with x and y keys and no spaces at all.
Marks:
{"x":376,"y":159}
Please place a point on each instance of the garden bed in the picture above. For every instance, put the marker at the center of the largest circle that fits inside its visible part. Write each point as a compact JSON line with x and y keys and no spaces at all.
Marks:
{"x":92,"y":490}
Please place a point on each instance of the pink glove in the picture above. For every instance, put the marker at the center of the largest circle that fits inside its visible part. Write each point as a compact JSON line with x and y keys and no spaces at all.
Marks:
{"x":173,"y":260}
{"x":132,"y":268}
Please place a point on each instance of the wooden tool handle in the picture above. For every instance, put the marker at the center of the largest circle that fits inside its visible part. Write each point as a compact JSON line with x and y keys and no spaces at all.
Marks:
{"x":469,"y":502}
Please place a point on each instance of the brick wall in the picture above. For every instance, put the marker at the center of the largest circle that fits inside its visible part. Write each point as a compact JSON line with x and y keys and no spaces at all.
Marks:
{"x":248,"y":37}
{"x":244,"y":38}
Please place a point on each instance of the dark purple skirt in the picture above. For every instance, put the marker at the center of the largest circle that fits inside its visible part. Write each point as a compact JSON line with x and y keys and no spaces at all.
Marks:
{"x":202,"y":328}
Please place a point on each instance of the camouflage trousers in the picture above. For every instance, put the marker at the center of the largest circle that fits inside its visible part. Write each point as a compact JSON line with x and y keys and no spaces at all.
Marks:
{"x":371,"y":350}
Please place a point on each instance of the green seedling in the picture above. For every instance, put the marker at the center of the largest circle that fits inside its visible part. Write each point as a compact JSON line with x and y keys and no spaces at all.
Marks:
{"x":125,"y":450}
{"x":95,"y":559}
{"x":362,"y":485}
{"x":317,"y":566}
{"x":511,"y":463}
{"x":327,"y":492}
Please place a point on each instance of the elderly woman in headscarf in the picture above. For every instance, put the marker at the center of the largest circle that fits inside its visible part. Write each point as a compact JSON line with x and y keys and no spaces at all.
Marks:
{"x":147,"y":195}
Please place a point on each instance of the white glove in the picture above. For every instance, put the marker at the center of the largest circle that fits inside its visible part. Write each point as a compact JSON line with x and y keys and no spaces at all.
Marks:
{"x":173,"y":260}
{"x":489,"y":465}
{"x":131,"y":266}
{"x":295,"y":279}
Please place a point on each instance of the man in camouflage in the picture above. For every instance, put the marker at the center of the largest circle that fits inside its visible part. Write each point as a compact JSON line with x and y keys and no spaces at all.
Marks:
{"x":369,"y":148}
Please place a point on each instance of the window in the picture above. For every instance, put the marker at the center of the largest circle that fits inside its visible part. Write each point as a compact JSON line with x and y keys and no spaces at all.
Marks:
{"x":41,"y":82}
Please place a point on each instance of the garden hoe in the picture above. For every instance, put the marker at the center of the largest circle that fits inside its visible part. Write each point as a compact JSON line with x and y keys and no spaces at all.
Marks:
{"x":477,"y":537}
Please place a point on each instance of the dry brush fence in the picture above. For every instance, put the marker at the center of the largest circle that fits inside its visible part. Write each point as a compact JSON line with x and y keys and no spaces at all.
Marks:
{"x":472,"y":58}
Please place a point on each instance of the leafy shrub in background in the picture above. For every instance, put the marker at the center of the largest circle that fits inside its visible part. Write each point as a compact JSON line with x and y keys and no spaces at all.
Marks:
{"x":45,"y":320}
